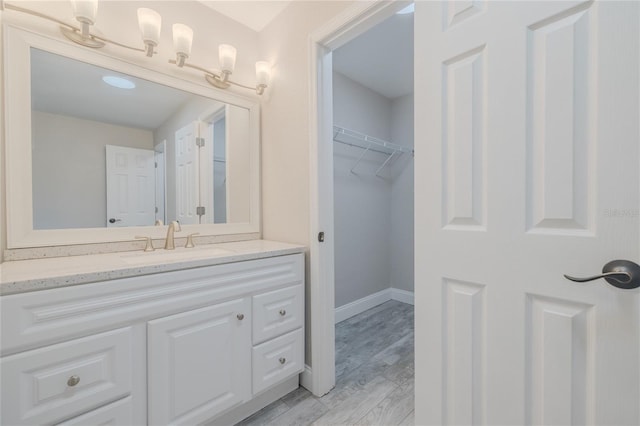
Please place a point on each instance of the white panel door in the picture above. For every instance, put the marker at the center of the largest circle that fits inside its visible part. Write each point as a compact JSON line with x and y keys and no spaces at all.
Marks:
{"x":187,"y":173}
{"x":160,"y":186}
{"x":130,"y":186}
{"x":199,"y":363}
{"x":527,"y":159}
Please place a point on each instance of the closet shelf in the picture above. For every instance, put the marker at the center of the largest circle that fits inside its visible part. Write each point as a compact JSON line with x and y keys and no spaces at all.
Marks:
{"x":368,"y":143}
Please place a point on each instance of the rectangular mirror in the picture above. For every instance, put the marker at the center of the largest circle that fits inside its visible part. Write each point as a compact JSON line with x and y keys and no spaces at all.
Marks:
{"x":110,"y":148}
{"x":113,"y":150}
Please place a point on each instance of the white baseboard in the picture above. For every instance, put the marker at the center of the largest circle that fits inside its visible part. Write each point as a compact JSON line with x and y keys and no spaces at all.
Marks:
{"x":358,"y":306}
{"x":306,"y":378}
{"x":403,"y":296}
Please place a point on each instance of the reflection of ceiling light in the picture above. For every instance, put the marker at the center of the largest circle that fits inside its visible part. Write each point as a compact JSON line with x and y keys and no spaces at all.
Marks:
{"x":119,"y":82}
{"x":409,"y":9}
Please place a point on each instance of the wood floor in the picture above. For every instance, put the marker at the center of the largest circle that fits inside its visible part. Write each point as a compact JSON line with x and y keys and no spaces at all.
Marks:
{"x":374,"y":376}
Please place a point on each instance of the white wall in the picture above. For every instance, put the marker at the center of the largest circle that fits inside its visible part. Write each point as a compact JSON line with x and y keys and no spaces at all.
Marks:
{"x":362,"y":201}
{"x":69,"y":168}
{"x":285,"y":125}
{"x":238,"y":185}
{"x":402,"y":196}
{"x":3,"y":223}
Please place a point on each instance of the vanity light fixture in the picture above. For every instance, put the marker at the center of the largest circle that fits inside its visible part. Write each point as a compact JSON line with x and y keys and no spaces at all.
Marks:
{"x":85,"y":12}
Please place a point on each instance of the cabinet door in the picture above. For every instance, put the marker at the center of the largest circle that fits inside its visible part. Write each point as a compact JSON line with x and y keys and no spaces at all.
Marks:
{"x":199,"y":363}
{"x":49,"y":384}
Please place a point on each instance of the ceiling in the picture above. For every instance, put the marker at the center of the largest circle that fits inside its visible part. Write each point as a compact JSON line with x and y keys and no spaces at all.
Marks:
{"x":68,"y":87}
{"x":256,"y":16}
{"x":382,"y":58}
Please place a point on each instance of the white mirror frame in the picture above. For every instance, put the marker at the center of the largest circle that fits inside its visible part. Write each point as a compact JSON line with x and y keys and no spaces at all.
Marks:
{"x":18,"y":163}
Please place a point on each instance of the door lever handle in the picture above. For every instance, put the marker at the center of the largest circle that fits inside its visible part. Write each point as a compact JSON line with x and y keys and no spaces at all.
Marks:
{"x":619,"y":273}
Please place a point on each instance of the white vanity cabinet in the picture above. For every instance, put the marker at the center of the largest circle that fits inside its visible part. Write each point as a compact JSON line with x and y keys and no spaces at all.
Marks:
{"x":199,"y":363}
{"x":180,"y":347}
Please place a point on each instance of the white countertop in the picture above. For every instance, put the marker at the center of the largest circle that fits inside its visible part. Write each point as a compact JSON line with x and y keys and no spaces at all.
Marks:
{"x":40,"y":274}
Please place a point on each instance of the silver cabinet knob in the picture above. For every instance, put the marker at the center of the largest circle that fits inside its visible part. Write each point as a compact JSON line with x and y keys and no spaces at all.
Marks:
{"x":73,"y":380}
{"x":619,"y":273}
{"x":283,"y":312}
{"x":282,"y":360}
{"x":240,"y":316}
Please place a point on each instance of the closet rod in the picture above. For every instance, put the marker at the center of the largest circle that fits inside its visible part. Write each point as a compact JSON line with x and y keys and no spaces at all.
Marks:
{"x":360,"y":140}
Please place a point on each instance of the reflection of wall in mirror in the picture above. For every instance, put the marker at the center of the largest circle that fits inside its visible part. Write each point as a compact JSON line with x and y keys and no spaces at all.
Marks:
{"x":69,"y":173}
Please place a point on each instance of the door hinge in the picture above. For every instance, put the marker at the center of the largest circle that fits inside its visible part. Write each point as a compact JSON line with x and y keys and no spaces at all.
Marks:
{"x":155,"y":164}
{"x":200,"y":142}
{"x":321,"y":237}
{"x":200,"y":211}
{"x":156,"y":210}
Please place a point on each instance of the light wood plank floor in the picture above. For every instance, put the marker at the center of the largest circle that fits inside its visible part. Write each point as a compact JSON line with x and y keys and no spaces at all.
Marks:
{"x":374,"y":376}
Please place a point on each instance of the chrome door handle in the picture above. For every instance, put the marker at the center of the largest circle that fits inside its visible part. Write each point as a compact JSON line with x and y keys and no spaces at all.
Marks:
{"x":619,"y":273}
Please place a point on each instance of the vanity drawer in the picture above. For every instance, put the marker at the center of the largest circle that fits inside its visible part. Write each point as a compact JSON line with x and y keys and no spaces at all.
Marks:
{"x":56,"y":382}
{"x":277,"y":360}
{"x":116,"y":413}
{"x":277,"y":312}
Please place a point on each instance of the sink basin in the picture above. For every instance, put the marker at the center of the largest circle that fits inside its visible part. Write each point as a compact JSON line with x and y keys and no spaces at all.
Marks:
{"x":177,"y":255}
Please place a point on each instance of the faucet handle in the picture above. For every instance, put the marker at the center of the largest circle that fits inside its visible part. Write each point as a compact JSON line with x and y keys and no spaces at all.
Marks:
{"x":176,"y":226}
{"x":190,"y":240}
{"x":149,"y":245}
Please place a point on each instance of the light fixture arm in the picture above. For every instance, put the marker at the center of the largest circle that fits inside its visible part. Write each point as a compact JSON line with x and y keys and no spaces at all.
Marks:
{"x":216,"y":79}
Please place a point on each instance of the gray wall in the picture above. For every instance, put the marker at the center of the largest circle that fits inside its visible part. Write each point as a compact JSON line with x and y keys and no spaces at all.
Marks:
{"x":402,"y":196}
{"x":373,"y":215}
{"x":69,"y":168}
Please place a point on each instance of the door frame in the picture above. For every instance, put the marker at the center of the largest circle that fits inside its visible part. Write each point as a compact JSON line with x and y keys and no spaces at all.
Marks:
{"x":319,"y":378}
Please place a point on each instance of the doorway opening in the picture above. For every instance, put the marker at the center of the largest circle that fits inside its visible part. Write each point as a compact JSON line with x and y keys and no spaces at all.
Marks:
{"x":358,"y":169}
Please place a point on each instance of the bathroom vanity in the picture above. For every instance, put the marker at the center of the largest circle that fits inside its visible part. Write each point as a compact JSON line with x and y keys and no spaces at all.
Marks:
{"x":190,"y":336}
{"x":92,"y":331}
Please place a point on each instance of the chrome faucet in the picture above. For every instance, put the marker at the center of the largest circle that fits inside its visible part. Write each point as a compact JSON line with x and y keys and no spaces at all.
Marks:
{"x":174,"y":226}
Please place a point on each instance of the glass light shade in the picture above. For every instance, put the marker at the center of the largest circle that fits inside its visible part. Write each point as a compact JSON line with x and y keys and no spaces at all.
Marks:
{"x":182,"y":39}
{"x":263,"y":73}
{"x":227,"y":57}
{"x":150,"y":22}
{"x":85,"y":10}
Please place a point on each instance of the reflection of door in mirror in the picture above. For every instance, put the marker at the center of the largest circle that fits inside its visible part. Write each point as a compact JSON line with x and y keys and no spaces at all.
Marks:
{"x":219,"y":171}
{"x":187,"y":173}
{"x":213,"y":193}
{"x":130,"y":186}
{"x":161,"y":183}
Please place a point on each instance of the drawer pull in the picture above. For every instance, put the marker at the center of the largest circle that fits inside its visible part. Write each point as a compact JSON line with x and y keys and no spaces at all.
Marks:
{"x":283,"y":312}
{"x":73,"y":380}
{"x":282,"y":360}
{"x":240,"y":316}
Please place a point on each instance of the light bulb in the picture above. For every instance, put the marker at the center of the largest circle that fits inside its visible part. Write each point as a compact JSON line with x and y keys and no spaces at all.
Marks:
{"x":150,"y":22}
{"x":182,"y":39}
{"x":85,"y":11}
{"x":263,"y":73}
{"x":227,"y":58}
